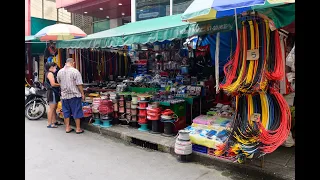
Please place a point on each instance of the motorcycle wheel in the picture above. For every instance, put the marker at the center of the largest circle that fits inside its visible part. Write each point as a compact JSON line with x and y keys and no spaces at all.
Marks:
{"x":35,"y":113}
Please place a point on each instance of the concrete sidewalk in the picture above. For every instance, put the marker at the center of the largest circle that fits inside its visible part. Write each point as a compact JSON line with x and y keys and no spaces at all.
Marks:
{"x":278,"y":165}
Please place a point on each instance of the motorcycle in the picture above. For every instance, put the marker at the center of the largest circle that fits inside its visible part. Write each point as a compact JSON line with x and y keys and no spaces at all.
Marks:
{"x":35,"y":105}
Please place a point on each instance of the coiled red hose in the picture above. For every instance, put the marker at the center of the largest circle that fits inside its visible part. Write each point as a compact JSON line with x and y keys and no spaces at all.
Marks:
{"x":272,"y":139}
{"x":230,"y":68}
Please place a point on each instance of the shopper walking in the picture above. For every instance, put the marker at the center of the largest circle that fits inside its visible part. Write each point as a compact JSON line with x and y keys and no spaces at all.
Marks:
{"x":72,"y":94}
{"x":53,"y":93}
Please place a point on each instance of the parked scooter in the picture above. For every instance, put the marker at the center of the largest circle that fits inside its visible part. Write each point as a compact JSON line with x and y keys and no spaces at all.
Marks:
{"x":35,"y":105}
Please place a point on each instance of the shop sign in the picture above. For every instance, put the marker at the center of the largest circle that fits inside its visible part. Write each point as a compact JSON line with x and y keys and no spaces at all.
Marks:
{"x":150,"y":13}
{"x":210,"y":27}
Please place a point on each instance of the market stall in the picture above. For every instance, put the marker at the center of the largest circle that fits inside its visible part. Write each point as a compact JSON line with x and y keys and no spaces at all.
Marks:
{"x":170,"y":61}
{"x":260,"y":118}
{"x":162,"y":75}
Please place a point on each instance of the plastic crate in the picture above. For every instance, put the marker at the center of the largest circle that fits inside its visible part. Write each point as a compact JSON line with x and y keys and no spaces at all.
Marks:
{"x":199,"y":148}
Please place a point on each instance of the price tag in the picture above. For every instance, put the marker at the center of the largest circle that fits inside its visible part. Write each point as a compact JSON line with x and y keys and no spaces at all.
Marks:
{"x":255,"y":117}
{"x":253,"y":54}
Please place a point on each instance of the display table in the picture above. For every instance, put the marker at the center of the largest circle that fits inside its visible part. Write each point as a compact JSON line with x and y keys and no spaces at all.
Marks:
{"x":95,"y":89}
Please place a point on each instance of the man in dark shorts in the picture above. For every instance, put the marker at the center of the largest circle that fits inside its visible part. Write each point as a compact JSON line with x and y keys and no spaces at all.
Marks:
{"x":72,"y":94}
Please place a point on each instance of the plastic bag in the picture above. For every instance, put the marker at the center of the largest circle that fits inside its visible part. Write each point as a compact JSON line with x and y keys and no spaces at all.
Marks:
{"x":289,"y":141}
{"x":290,"y":60}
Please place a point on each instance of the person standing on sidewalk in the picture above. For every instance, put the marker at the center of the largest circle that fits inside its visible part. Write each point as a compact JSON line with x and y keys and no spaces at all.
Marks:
{"x":72,"y":94}
{"x":53,"y":93}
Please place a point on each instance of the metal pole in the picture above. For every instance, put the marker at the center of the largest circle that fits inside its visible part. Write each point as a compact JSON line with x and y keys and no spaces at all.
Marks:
{"x":171,"y":6}
{"x":42,"y":9}
{"x":217,"y":62}
{"x":57,"y":15}
{"x":236,"y":20}
{"x":133,"y":11}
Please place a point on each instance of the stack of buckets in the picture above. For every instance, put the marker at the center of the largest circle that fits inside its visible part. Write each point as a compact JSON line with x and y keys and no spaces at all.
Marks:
{"x":153,"y":115}
{"x":95,"y":111}
{"x":122,"y":111}
{"x":115,"y":110}
{"x":134,"y":111}
{"x":142,"y":116}
{"x":128,"y":109}
{"x":106,"y":111}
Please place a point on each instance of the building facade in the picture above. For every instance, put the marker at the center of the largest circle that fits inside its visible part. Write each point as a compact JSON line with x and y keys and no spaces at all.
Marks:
{"x":94,"y":16}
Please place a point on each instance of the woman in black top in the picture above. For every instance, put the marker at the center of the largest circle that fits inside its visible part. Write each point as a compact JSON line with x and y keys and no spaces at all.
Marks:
{"x":53,"y":93}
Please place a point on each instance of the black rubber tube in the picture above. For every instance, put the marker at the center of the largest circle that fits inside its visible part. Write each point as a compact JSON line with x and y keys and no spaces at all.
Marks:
{"x":155,"y":126}
{"x":168,"y":128}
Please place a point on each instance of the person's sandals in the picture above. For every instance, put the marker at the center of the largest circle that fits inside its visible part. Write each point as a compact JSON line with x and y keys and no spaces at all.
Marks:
{"x":82,"y":131}
{"x":58,"y":123}
{"x":52,"y":126}
{"x":70,"y":131}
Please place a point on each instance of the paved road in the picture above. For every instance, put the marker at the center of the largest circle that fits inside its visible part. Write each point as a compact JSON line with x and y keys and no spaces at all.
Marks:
{"x":51,"y":154}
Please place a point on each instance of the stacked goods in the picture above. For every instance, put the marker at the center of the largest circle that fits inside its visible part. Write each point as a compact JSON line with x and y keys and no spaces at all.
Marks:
{"x":128,"y":109}
{"x":106,"y":107}
{"x":106,"y":111}
{"x":142,"y":116}
{"x":168,"y":117}
{"x":153,"y":114}
{"x":134,"y":111}
{"x":142,"y":67}
{"x":95,"y":105}
{"x":95,"y":111}
{"x":87,"y":110}
{"x":183,"y":145}
{"x":122,"y":110}
{"x":211,"y":130}
{"x":115,"y":100}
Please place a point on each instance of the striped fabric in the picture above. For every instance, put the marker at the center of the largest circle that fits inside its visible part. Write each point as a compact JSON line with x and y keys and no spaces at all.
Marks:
{"x":68,"y":78}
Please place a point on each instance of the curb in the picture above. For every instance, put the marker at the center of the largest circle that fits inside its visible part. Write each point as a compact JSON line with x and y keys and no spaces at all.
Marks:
{"x":166,"y":145}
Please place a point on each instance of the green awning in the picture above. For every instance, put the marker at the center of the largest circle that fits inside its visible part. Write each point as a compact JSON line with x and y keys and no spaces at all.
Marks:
{"x":148,"y":31}
{"x":29,"y":38}
{"x":280,"y":15}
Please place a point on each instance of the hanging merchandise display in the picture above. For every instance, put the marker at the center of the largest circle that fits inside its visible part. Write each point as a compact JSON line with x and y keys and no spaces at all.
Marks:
{"x":101,"y":64}
{"x":256,"y":60}
{"x":261,"y":125}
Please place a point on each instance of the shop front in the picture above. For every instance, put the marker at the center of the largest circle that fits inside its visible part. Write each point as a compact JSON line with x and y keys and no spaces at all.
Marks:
{"x":157,"y":73}
{"x":163,"y":75}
